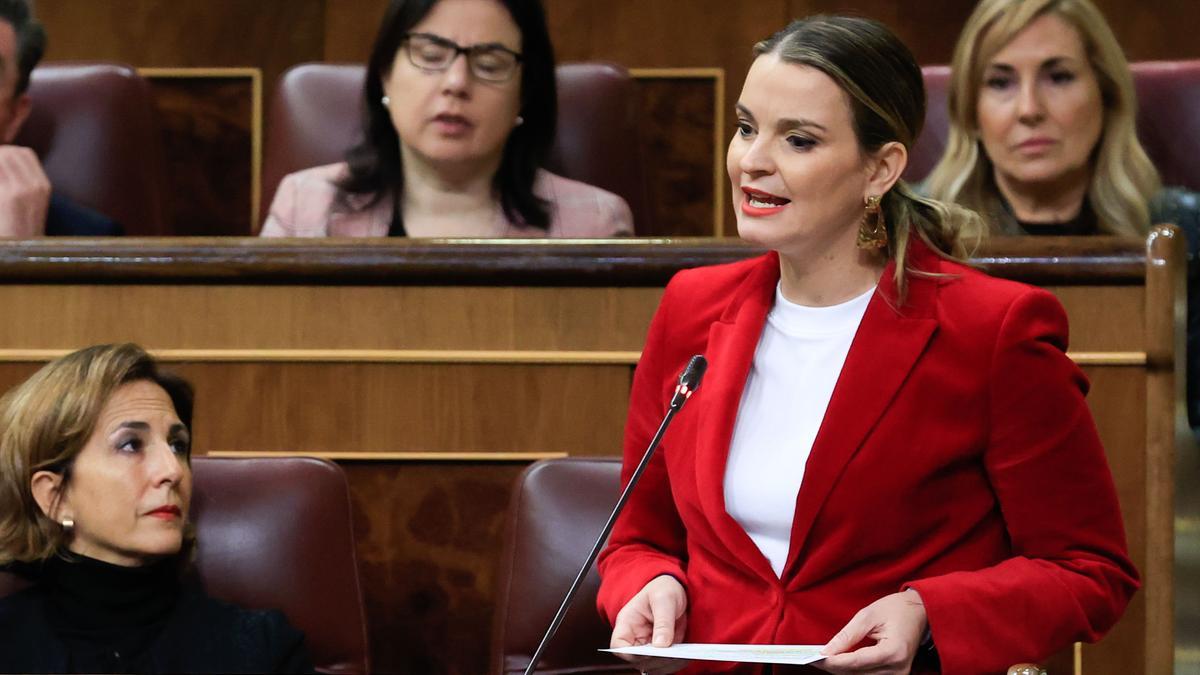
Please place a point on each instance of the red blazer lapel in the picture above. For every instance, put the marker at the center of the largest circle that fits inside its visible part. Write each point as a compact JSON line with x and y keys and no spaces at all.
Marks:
{"x":732,"y":341}
{"x":888,"y":344}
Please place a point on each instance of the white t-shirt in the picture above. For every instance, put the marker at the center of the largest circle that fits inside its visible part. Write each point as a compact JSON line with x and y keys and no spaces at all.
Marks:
{"x":796,"y":365}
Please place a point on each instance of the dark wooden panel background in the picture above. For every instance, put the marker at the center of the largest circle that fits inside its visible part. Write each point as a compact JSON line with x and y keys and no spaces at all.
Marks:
{"x":273,"y":35}
{"x":206,"y":124}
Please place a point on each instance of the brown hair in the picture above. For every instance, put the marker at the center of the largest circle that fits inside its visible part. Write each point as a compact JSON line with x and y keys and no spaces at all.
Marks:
{"x":45,"y":423}
{"x":31,"y":40}
{"x":886,"y":91}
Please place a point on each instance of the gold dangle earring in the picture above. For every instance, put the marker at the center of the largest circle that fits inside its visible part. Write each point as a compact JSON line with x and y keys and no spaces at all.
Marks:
{"x":872,"y":231}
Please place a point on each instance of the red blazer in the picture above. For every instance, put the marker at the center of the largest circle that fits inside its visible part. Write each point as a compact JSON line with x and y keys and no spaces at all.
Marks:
{"x":957,"y":457}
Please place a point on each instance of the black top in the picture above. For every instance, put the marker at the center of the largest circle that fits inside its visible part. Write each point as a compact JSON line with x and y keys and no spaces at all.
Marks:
{"x":1082,"y":223}
{"x":87,"y":616}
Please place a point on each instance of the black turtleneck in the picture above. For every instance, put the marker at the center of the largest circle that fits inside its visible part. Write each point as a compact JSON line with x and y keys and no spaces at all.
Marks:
{"x":86,"y":616}
{"x":1082,"y":223}
{"x":108,"y":615}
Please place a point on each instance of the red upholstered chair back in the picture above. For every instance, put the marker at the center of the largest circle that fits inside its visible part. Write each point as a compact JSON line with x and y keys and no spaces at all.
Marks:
{"x":276,"y":533}
{"x":1168,"y":122}
{"x":558,"y":508}
{"x":316,"y":115}
{"x":94,"y":127}
{"x":926,"y":152}
{"x":1169,"y":118}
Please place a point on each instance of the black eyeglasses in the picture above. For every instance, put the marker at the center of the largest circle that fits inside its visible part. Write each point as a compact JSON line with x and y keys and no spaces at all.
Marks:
{"x":489,"y":61}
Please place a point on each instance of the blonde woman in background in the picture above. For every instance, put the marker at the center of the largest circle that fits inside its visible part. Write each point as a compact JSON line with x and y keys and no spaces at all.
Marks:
{"x":1042,"y":135}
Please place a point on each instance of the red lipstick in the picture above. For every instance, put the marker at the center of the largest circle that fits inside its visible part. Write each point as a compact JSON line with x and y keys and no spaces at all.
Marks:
{"x":764,"y":203}
{"x":168,"y":512}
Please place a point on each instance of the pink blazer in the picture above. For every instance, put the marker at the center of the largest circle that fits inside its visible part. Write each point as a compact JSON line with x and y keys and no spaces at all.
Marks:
{"x":304,"y":207}
{"x":957,"y":457}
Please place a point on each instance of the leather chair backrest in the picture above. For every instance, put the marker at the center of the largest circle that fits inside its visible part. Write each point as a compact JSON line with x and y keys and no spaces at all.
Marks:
{"x":276,"y":533}
{"x":928,"y":149}
{"x":558,"y":508}
{"x":1168,"y":122}
{"x":1169,"y":118}
{"x":316,"y":115}
{"x":95,"y":129}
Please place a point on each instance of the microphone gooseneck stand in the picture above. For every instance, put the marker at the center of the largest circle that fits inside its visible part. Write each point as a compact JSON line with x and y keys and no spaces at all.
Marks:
{"x":689,"y":382}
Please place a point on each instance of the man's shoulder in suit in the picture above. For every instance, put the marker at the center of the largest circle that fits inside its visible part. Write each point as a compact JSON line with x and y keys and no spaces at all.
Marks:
{"x":65,"y":218}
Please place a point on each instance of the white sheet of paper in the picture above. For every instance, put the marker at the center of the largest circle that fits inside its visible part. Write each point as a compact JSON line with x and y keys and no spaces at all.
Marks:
{"x":796,"y":655}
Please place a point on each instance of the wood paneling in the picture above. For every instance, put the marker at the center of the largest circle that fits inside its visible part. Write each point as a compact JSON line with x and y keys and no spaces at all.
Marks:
{"x":623,"y":263}
{"x":1154,"y":29}
{"x":720,"y":34}
{"x":1096,"y":308}
{"x":578,"y":409}
{"x":678,"y":148}
{"x":428,"y":539}
{"x":304,"y":317}
{"x":1113,"y":390}
{"x":208,"y":126}
{"x":350,"y":29}
{"x":267,"y":34}
{"x":929,"y":29}
{"x":405,"y":408}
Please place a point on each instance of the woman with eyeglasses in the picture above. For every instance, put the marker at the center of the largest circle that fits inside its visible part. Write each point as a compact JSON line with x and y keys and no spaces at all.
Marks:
{"x":460,"y":113}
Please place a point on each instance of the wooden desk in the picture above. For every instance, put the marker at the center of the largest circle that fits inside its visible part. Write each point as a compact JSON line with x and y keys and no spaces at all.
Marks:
{"x":435,"y":370}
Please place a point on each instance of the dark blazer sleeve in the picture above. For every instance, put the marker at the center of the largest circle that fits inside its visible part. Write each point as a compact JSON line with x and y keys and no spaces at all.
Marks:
{"x":260,"y":641}
{"x":206,"y":635}
{"x":1069,"y":577}
{"x":649,"y":539}
{"x":285,"y":645}
{"x":65,"y":218}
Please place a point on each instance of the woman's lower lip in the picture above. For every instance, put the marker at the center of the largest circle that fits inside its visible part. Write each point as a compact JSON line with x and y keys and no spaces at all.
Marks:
{"x":451,"y":128}
{"x":760,"y":211}
{"x":165,"y":515}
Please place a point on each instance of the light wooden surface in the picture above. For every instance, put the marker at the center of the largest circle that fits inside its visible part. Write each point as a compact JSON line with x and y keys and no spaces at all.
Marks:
{"x":165,"y":316}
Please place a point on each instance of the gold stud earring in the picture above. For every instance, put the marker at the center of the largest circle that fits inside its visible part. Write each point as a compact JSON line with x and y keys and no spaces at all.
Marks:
{"x":872,"y":230}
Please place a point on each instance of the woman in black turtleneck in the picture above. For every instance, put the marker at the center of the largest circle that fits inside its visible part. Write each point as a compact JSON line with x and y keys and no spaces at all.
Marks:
{"x":95,"y":486}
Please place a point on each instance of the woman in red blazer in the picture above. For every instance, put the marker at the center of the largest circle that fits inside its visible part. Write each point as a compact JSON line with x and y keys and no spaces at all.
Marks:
{"x":955,"y":502}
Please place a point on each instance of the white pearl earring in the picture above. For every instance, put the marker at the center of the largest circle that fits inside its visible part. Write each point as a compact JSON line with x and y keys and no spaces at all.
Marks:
{"x":520,"y":120}
{"x":68,"y":524}
{"x":386,"y":101}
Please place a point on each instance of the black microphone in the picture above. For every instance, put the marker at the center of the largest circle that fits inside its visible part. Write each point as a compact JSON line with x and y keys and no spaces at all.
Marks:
{"x":689,"y":382}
